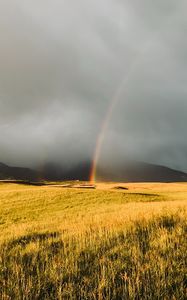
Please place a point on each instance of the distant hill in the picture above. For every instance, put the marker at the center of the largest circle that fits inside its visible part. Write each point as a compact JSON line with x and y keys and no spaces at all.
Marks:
{"x":129,"y":172}
{"x":141,"y":172}
{"x":7,"y":172}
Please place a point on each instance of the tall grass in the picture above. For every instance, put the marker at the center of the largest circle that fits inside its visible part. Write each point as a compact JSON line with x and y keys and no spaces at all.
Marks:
{"x":145,"y":258}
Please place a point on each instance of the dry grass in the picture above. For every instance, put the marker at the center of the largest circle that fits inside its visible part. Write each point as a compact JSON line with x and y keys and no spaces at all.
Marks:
{"x":60,"y":243}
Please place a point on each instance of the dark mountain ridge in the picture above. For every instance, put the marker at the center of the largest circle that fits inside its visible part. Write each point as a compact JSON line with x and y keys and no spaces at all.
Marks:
{"x":17,"y":173}
{"x":141,"y":172}
{"x":129,"y":172}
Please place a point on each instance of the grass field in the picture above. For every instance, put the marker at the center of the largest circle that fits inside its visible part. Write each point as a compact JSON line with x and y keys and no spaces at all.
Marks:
{"x":107,"y":243}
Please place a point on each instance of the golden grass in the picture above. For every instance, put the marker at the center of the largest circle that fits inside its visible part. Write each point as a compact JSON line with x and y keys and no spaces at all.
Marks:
{"x":61,"y":243}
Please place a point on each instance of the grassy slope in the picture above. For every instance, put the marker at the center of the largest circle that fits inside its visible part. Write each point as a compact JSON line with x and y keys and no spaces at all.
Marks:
{"x":93,"y":244}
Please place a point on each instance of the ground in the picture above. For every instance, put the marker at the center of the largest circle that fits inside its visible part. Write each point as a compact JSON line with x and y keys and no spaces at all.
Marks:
{"x":118,"y":241}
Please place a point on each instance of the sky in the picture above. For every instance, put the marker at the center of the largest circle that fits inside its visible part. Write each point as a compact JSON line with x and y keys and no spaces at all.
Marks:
{"x":62,"y":63}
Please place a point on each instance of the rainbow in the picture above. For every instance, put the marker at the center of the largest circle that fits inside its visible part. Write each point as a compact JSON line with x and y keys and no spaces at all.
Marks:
{"x":118,"y":95}
{"x":112,"y":105}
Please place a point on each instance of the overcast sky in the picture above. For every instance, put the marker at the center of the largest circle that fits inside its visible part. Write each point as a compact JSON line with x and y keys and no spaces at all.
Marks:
{"x":63,"y":61}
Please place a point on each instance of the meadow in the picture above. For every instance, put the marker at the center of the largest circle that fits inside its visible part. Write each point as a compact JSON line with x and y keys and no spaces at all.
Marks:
{"x":103,"y":243}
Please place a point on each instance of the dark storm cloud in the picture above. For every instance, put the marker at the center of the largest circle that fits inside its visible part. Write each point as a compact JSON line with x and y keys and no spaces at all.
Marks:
{"x":61,"y":63}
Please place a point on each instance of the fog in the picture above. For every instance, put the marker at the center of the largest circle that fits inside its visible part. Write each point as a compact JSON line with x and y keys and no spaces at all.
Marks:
{"x":62,"y":63}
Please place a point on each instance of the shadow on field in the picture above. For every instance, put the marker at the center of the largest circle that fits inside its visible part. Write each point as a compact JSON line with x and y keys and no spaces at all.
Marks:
{"x":120,"y":188}
{"x":145,"y":195}
{"x":23,"y":241}
{"x":143,"y":261}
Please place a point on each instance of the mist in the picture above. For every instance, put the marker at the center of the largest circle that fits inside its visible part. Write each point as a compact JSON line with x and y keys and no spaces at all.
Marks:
{"x":62,"y":63}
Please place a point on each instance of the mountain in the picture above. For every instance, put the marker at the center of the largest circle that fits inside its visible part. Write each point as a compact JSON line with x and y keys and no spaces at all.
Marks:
{"x":140,"y":172}
{"x":17,"y":173}
{"x":127,"y":172}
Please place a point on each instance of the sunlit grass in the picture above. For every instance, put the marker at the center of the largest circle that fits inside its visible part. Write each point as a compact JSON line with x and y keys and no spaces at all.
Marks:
{"x":61,"y":243}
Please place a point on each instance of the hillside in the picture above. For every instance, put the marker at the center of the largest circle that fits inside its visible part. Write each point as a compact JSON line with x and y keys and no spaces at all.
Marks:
{"x":7,"y":172}
{"x":140,"y":172}
{"x":129,"y":172}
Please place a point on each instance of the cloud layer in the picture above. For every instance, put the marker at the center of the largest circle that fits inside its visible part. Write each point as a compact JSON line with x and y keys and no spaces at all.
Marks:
{"x":61,"y":63}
